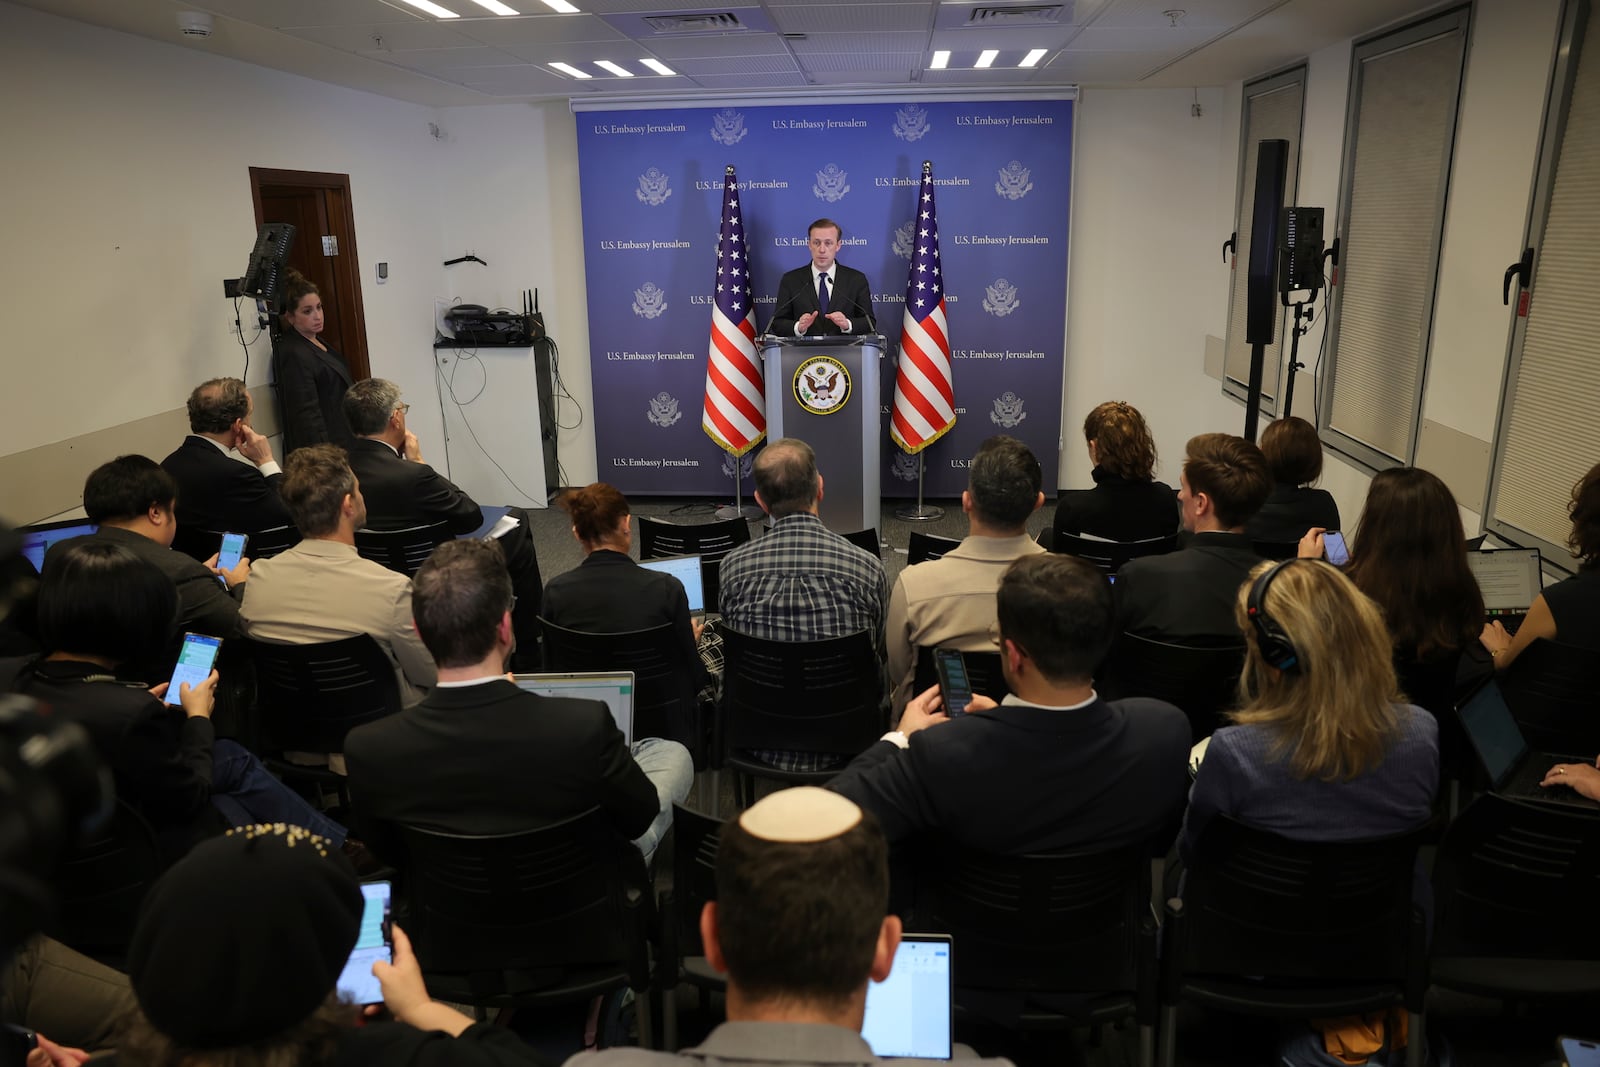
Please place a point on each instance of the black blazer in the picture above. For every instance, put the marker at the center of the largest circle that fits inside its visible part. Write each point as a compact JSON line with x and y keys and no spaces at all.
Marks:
{"x":1290,"y":511}
{"x":204,"y":606}
{"x":1025,"y":779}
{"x":1118,"y":509}
{"x":216,"y":492}
{"x":492,"y":759}
{"x":311,"y":384}
{"x":1186,"y":595}
{"x":608,"y":593}
{"x":797,"y":296}
{"x":401,"y":494}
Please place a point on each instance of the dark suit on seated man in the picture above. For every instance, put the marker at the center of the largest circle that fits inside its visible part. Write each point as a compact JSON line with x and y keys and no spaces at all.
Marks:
{"x":1186,"y":597}
{"x":800,"y":312}
{"x":480,"y":755}
{"x":216,"y":491}
{"x":1053,"y":766}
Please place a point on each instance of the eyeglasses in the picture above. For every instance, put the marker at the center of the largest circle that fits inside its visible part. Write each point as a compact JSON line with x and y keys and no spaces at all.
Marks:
{"x":402,"y":408}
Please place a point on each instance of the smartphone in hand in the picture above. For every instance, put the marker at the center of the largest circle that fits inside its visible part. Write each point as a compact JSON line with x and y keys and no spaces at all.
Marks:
{"x":954,"y":685}
{"x":195,"y":660}
{"x":357,"y":984}
{"x":232,"y":550}
{"x":1334,"y":548}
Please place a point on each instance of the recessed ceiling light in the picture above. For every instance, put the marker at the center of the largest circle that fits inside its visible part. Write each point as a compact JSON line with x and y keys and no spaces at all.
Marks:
{"x":941,"y":60}
{"x":986,"y":57}
{"x":1033,"y":57}
{"x":562,"y":6}
{"x":497,"y":7}
{"x":568,"y":69}
{"x":658,"y":66}
{"x":433,"y":9}
{"x":619,"y":71}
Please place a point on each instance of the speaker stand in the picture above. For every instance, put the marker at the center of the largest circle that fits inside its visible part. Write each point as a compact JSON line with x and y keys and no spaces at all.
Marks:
{"x":1301,"y":310}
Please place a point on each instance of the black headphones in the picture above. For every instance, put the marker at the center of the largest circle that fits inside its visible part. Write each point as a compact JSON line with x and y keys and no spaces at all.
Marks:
{"x":1276,"y":648}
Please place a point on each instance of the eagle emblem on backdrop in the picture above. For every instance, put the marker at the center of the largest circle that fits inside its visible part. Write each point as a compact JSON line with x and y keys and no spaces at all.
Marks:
{"x":1007,"y":412}
{"x":911,"y":123}
{"x":831,"y":185}
{"x":1000,"y":299}
{"x":649,"y":301}
{"x":653,"y":188}
{"x":1013,"y":183}
{"x":904,"y":467}
{"x":822,"y":385}
{"x":664,"y":409}
{"x":747,"y":463}
{"x":905,"y":239}
{"x":727,"y":126}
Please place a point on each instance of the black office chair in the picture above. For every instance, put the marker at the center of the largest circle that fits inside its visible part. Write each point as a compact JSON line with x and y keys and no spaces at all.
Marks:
{"x":665,"y":688}
{"x":795,"y":696}
{"x":1109,"y":556}
{"x":694,"y":882}
{"x":533,"y":919}
{"x":101,"y":884}
{"x":1271,"y":926}
{"x":867,"y":539}
{"x":263,"y":544}
{"x":921,"y":547}
{"x":402,"y":551}
{"x":983,"y":671}
{"x":1276,"y":550}
{"x":1065,"y":939}
{"x":711,"y":541}
{"x":1553,"y":690}
{"x":1203,"y":681}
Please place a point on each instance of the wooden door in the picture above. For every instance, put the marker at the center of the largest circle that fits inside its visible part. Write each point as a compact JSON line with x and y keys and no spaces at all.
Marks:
{"x":318,"y":206}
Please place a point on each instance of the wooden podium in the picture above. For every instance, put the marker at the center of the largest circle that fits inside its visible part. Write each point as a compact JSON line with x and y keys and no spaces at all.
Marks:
{"x":825,"y":392}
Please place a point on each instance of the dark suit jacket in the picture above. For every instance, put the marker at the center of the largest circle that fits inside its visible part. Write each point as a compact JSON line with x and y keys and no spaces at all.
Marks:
{"x":1026,"y":779}
{"x":1290,"y":511}
{"x":492,"y":759}
{"x":216,"y":492}
{"x":311,"y":385}
{"x":203,"y":605}
{"x":1188,"y":594}
{"x":1118,"y":509}
{"x":608,"y":593}
{"x":797,"y":296}
{"x":401,"y":494}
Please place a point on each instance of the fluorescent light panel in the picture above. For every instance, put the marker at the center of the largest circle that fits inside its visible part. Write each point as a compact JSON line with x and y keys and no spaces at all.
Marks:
{"x":569,"y":69}
{"x":986,"y":58}
{"x":496,"y":7}
{"x":658,"y":66}
{"x":562,"y":6}
{"x":617,"y":69}
{"x":1033,"y":57}
{"x":941,"y":60}
{"x":433,"y":9}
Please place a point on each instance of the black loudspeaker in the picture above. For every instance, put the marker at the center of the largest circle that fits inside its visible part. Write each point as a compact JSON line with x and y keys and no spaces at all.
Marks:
{"x":1261,"y":309}
{"x":1300,"y":250}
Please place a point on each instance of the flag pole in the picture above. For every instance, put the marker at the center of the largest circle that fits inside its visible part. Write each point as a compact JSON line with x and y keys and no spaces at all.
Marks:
{"x":734,"y":413}
{"x":922,"y":512}
{"x":924,"y":401}
{"x":738,"y":509}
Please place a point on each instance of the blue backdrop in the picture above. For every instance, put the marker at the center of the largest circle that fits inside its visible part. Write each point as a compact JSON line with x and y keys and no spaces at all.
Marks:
{"x":651,"y":184}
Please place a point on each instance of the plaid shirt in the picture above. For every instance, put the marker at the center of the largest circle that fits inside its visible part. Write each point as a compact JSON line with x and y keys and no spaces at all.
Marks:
{"x":802,"y":582}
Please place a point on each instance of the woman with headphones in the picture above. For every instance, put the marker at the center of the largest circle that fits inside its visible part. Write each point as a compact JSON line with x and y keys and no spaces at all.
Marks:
{"x":1323,"y":748}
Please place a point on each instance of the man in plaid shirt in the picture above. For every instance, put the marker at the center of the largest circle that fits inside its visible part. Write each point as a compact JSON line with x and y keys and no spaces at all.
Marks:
{"x":802,"y":581}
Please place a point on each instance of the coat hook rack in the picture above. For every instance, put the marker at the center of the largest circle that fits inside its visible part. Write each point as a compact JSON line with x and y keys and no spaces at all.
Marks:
{"x":468,"y":258}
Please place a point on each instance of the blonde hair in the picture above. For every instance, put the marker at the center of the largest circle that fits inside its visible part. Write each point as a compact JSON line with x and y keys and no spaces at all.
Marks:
{"x":1334,"y":716}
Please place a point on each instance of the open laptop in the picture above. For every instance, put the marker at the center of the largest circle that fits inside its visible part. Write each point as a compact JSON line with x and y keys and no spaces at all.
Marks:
{"x":614,"y":689}
{"x":688,"y":570}
{"x":1509,"y":579}
{"x":909,"y":1013}
{"x":37,"y":539}
{"x":1514,"y":769}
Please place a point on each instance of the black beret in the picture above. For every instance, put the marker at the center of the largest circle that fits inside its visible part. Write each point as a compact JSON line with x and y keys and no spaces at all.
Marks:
{"x":245,"y":936}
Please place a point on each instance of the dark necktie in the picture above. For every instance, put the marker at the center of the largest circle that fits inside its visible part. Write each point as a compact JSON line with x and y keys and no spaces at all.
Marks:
{"x":822,"y":295}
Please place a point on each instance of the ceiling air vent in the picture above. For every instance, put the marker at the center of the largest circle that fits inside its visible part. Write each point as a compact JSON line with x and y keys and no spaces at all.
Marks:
{"x":1017,"y":15}
{"x":705,"y":22}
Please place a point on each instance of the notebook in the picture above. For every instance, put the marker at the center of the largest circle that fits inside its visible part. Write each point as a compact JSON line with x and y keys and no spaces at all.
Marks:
{"x":908,"y":1013}
{"x":1509,"y":579}
{"x":1514,"y":769}
{"x":688,"y":571}
{"x":37,"y":539}
{"x":614,"y":689}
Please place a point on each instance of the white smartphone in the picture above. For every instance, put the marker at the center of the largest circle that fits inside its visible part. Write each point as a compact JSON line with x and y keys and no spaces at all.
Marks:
{"x":195,"y":660}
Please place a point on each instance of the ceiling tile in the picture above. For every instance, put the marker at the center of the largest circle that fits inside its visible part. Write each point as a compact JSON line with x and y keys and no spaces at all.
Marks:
{"x":282,"y":13}
{"x":1168,"y":42}
{"x":863,"y":77}
{"x":752,"y":81}
{"x":1209,"y":15}
{"x":1098,"y":66}
{"x":858,"y":61}
{"x":512,"y":33}
{"x":435,"y":60}
{"x":396,"y":36}
{"x":865,"y":18}
{"x":668,"y":49}
{"x":697,"y":68}
{"x":902,"y":41}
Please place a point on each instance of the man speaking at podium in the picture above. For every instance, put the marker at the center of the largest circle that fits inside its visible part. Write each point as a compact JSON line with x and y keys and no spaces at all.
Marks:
{"x":829,"y":298}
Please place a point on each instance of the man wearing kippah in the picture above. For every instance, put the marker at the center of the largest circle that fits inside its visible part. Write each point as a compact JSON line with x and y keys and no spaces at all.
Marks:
{"x":799,"y":926}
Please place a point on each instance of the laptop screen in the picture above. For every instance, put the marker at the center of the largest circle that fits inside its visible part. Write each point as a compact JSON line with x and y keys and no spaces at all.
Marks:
{"x":1508,"y":578}
{"x":908,"y":1013}
{"x":687,"y":570}
{"x":1494,"y":733}
{"x":36,"y":540}
{"x":612,"y":688}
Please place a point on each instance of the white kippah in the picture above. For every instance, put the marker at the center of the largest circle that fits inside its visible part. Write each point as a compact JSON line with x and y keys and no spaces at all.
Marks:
{"x":800,"y":815}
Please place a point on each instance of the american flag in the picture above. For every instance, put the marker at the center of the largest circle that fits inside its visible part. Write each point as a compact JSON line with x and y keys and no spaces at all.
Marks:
{"x":735,"y":413}
{"x":924,"y":394}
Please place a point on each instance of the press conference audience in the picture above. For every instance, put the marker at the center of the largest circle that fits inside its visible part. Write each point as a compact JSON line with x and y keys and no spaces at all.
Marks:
{"x":949,"y":602}
{"x":1187,"y":596}
{"x":1126,"y":503}
{"x":1294,"y":459}
{"x":216,"y":491}
{"x":321,"y":589}
{"x":1569,"y":610}
{"x":482,"y":756}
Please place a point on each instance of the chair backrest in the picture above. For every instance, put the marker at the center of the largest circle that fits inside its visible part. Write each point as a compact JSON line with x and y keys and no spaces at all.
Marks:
{"x":711,"y":541}
{"x":867,"y":539}
{"x":694,"y":874}
{"x":921,"y":547}
{"x":1202,"y":681}
{"x":1518,"y":880}
{"x":1554,"y":691}
{"x":309,"y":696}
{"x":983,"y":671}
{"x":541,"y":902}
{"x":1110,"y":555}
{"x":1258,"y":903}
{"x":102,"y":882}
{"x":264,"y":544}
{"x":1276,"y":549}
{"x":665,"y":692}
{"x":800,"y":696}
{"x":404,"y":551}
{"x":1064,"y":922}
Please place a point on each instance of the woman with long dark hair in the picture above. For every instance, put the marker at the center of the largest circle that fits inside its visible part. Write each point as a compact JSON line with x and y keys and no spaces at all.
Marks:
{"x":311,"y":378}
